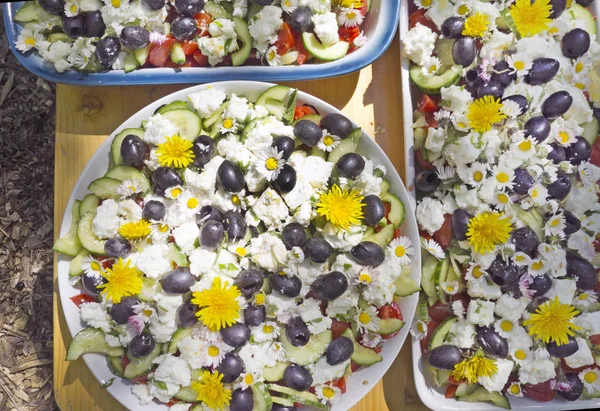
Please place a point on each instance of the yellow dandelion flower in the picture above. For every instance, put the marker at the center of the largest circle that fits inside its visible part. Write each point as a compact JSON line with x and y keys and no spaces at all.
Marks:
{"x":341,"y":208}
{"x":474,"y":367}
{"x":122,"y":279}
{"x":484,"y":112}
{"x":476,"y":25}
{"x":487,"y":230}
{"x":135,"y":231}
{"x":552,"y":321}
{"x":219,"y":305}
{"x":350,"y":4}
{"x":175,"y":152}
{"x":531,"y":18}
{"x":211,"y":391}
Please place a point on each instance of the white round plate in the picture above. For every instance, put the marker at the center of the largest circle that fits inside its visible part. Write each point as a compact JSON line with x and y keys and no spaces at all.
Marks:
{"x":98,"y":165}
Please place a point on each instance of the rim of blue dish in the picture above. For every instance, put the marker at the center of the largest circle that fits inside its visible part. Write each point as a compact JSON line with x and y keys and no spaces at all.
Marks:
{"x":388,"y":14}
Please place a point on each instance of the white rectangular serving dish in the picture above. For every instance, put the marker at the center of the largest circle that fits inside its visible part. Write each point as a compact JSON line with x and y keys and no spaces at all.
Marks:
{"x":433,"y":397}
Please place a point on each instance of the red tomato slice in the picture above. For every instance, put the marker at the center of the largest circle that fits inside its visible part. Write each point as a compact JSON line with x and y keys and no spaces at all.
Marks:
{"x":159,"y":53}
{"x":451,"y":391}
{"x":390,"y":311}
{"x":348,"y":34}
{"x":444,"y":234}
{"x":354,"y":366}
{"x":439,"y":311}
{"x":302,"y":111}
{"x":397,"y":232}
{"x":427,"y":104}
{"x":200,"y":58}
{"x":540,"y":392}
{"x":203,"y":20}
{"x":338,"y":328}
{"x":419,"y":17}
{"x":595,"y":339}
{"x":82,"y":298}
{"x":189,"y":47}
{"x":595,"y":157}
{"x":124,"y":361}
{"x":340,"y":383}
{"x":299,"y":45}
{"x":285,"y":39}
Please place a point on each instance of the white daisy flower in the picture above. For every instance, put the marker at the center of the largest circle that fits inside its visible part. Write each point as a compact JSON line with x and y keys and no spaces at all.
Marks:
{"x":129,"y":188}
{"x":82,"y":53}
{"x":474,"y":175}
{"x":583,"y":244}
{"x":525,"y":286}
{"x":328,"y":394}
{"x":565,"y":132}
{"x":267,"y":331}
{"x":501,"y":201}
{"x":463,"y":7}
{"x":560,"y":384}
{"x":158,"y":38}
{"x":515,"y":389}
{"x":248,"y":380}
{"x":371,"y":340}
{"x":434,"y":249}
{"x":449,"y":287}
{"x":360,"y":40}
{"x":431,"y":66}
{"x":423,"y":4}
{"x":474,"y":272}
{"x":523,"y":147}
{"x":460,"y":121}
{"x":228,"y":125}
{"x":174,"y":192}
{"x":273,"y":58}
{"x":401,"y":250}
{"x":269,"y":162}
{"x":92,"y":267}
{"x":591,"y":380}
{"x":71,"y":8}
{"x":365,"y":276}
{"x":537,"y":267}
{"x":555,"y":226}
{"x":521,"y":259}
{"x":445,"y":172}
{"x":296,"y":255}
{"x":160,"y":232}
{"x":27,"y":40}
{"x":458,"y":309}
{"x":505,"y":327}
{"x":276,"y":351}
{"x":486,"y":69}
{"x":511,"y":108}
{"x":379,"y":171}
{"x":540,"y":353}
{"x":238,"y":201}
{"x":145,"y":311}
{"x":328,"y":142}
{"x":521,"y":355}
{"x":538,"y":194}
{"x":367,"y":320}
{"x":419,"y":329}
{"x":349,"y":17}
{"x":520,"y":63}
{"x":588,"y":173}
{"x":214,"y":352}
{"x":585,"y":299}
{"x":503,"y":175}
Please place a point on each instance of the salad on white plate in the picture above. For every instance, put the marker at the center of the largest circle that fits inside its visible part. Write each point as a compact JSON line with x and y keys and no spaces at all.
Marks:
{"x":238,"y":255}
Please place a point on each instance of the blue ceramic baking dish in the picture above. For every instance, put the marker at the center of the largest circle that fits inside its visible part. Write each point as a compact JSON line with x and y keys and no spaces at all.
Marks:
{"x":379,"y":27}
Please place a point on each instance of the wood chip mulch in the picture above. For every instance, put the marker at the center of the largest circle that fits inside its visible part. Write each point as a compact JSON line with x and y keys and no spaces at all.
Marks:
{"x":27,"y":120}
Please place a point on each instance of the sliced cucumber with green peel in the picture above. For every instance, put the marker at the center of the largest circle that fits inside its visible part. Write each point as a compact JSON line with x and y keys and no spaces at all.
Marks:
{"x":216,"y":11}
{"x":141,"y":55}
{"x":240,"y":56}
{"x":91,"y":340}
{"x":123,"y":173}
{"x":277,"y":93}
{"x":282,"y":401}
{"x":274,"y":373}
{"x":317,"y":152}
{"x":433,"y":84}
{"x":178,"y":256}
{"x":179,"y":335}
{"x":397,"y":212}
{"x":311,"y":352}
{"x":276,"y":108}
{"x":115,"y":146}
{"x":75,"y":264}
{"x":176,"y":54}
{"x":150,"y":287}
{"x":187,"y":394}
{"x":389,"y":326}
{"x":105,"y":188}
{"x":481,"y":394}
{"x":383,"y":237}
{"x":115,"y":364}
{"x":315,"y":118}
{"x":441,"y":376}
{"x":428,"y":273}
{"x":31,"y":11}
{"x":188,"y":122}
{"x":591,"y":131}
{"x":89,"y":204}
{"x":347,"y":145}
{"x":438,"y":336}
{"x":86,"y":236}
{"x":302,"y":397}
{"x":216,"y":116}
{"x":326,"y":53}
{"x":130,"y":63}
{"x":141,"y":366}
{"x":54,"y":37}
{"x":262,"y":397}
{"x":466,"y":389}
{"x":581,"y":13}
{"x":174,"y":105}
{"x":362,"y":355}
{"x":69,"y":244}
{"x":384,"y":188}
{"x":405,"y":286}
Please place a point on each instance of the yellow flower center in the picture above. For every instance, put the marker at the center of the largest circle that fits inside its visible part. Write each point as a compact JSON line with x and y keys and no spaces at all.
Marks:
{"x":478,"y":176}
{"x":400,"y":251}
{"x":476,"y":25}
{"x":268,"y":329}
{"x":163,"y":228}
{"x":534,"y":193}
{"x":351,"y":15}
{"x":506,"y":326}
{"x":520,"y":258}
{"x":219,"y":305}
{"x":341,"y":208}
{"x":525,"y":145}
{"x":176,"y":192}
{"x":241,"y":251}
{"x":433,"y":69}
{"x":30,"y":41}
{"x":552,"y":321}
{"x":271,"y":163}
{"x":519,"y":65}
{"x":450,"y":288}
{"x":580,"y":86}
{"x":135,"y":231}
{"x":520,"y":355}
{"x":582,"y":297}
{"x":553,"y":30}
{"x":122,"y":280}
{"x":228,"y":123}
{"x":578,"y":67}
{"x":531,"y":18}
{"x":328,"y":140}
{"x":421,"y":327}
{"x":116,"y":3}
{"x":364,"y":318}
{"x":192,"y":203}
{"x":148,"y":313}
{"x":502,"y":198}
{"x":175,"y":152}
{"x":515,"y":389}
{"x":365,"y":278}
{"x":487,"y":230}
{"x":211,"y":391}
{"x":95,"y":266}
{"x":477,"y":273}
{"x":249,"y":379}
{"x":537,"y":265}
{"x":484,"y":112}
{"x":463,"y":9}
{"x":235,"y":199}
{"x":328,"y":392}
{"x":590,"y":377}
{"x":502,"y":177}
{"x":259,"y":299}
{"x":461,"y":125}
{"x":564,"y":137}
{"x":213,"y":351}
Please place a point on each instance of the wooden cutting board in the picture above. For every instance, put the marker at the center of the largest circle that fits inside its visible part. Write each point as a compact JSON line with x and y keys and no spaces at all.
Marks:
{"x":85,"y":116}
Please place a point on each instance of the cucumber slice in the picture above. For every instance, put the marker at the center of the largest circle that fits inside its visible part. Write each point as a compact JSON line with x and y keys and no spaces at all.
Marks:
{"x":89,"y":204}
{"x":291,"y":392}
{"x":288,"y":117}
{"x":150,"y":287}
{"x":105,"y":187}
{"x":433,"y":84}
{"x":397,"y":213}
{"x":123,"y":173}
{"x":347,"y":145}
{"x":311,"y":352}
{"x":277,"y":93}
{"x":91,"y":340}
{"x":422,"y":310}
{"x":187,"y":394}
{"x":282,"y":401}
{"x":179,"y":335}
{"x":262,"y":397}
{"x":276,"y":108}
{"x":141,"y":366}
{"x":198,"y":407}
{"x":238,"y":57}
{"x":188,"y":122}
{"x":31,"y":11}
{"x":86,"y":236}
{"x":69,"y":244}
{"x":591,"y":131}
{"x":438,"y":336}
{"x":115,"y":146}
{"x":75,"y":264}
{"x":216,"y":11}
{"x":177,"y":55}
{"x":289,"y":58}
{"x":316,"y":152}
{"x":274,"y":373}
{"x":175,"y":105}
{"x":216,"y":116}
{"x":441,"y":376}
{"x":405,"y":286}
{"x":466,"y":389}
{"x":481,"y":394}
{"x":130,"y":63}
{"x":362,"y":355}
{"x":428,"y":274}
{"x":54,"y":37}
{"x":384,"y":188}
{"x":178,"y":256}
{"x":326,"y":53}
{"x":389,"y":326}
{"x":581,"y":13}
{"x":383,"y":237}
{"x":141,"y":55}
{"x":315,"y":118}
{"x":115,"y":364}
